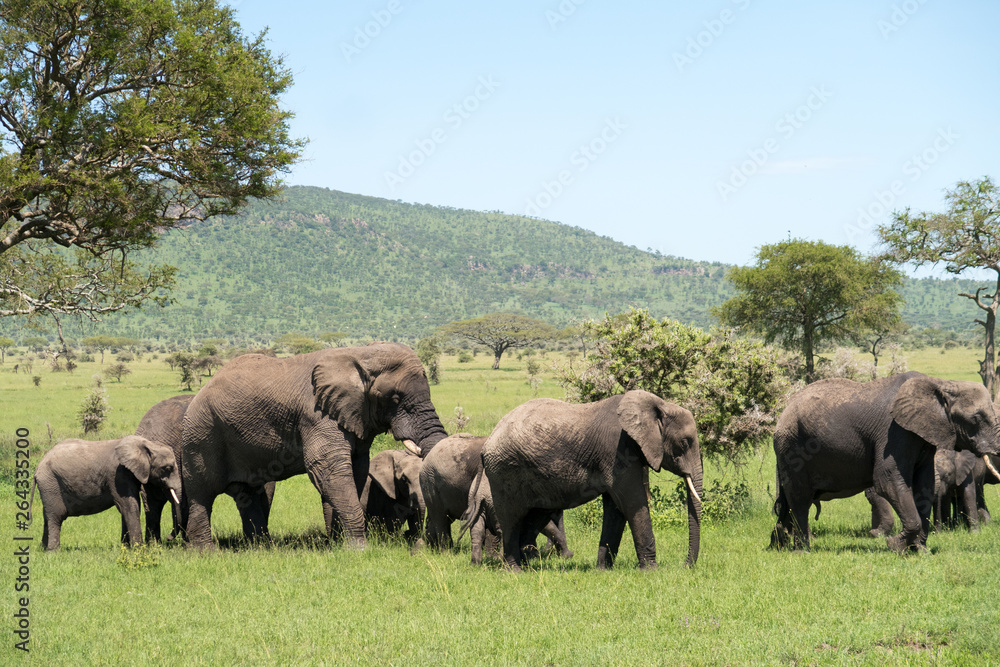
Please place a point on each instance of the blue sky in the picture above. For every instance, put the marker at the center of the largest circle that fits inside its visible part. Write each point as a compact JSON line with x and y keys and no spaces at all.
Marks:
{"x":699,"y":129}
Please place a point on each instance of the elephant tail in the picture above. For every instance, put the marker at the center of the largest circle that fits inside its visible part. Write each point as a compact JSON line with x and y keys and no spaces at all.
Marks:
{"x":475,"y":509}
{"x":31,"y":501}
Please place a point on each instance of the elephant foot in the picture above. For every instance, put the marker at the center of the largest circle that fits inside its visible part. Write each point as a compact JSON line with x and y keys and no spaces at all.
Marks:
{"x":876,"y":532}
{"x":648,"y":565}
{"x":567,"y":554}
{"x":902,"y":545}
{"x":779,"y":537}
{"x":417,"y":547}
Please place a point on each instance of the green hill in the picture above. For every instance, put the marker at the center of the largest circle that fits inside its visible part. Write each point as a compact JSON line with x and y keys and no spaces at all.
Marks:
{"x":322,"y":260}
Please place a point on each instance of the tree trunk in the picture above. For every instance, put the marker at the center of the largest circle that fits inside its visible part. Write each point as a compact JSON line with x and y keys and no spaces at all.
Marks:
{"x":807,"y":351}
{"x":988,"y":366}
{"x":496,"y":360}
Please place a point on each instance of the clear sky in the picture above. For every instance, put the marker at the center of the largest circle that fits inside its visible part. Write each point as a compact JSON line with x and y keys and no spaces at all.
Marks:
{"x":699,"y":129}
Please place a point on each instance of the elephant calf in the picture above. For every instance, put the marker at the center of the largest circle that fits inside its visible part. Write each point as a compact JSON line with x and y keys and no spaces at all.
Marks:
{"x":392,"y":495}
{"x":983,"y":475}
{"x":79,"y":477}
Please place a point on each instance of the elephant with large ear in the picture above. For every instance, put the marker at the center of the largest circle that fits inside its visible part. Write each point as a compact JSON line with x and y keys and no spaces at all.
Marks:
{"x":549,"y":455}
{"x":164,"y":423}
{"x":263,"y":419}
{"x":837,"y":437}
{"x":81,"y":477}
{"x":392,"y":494}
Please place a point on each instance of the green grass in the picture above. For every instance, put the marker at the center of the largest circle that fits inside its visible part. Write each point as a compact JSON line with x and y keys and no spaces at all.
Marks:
{"x":849,"y":601}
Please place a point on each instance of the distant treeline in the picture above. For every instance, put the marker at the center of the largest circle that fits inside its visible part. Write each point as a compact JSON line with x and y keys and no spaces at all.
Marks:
{"x":322,"y":260}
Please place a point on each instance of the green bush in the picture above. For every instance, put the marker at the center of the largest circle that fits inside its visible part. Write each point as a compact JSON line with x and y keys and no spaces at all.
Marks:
{"x":464,"y":357}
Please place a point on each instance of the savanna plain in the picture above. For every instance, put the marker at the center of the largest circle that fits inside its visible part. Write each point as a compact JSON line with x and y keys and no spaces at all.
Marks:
{"x":301,"y":601}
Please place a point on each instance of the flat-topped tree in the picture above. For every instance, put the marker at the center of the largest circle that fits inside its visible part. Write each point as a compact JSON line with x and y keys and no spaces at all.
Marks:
{"x":501,"y":332}
{"x":120,"y":119}
{"x":966,"y":236}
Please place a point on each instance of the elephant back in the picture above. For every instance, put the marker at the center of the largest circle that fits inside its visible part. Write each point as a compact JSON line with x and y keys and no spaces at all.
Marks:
{"x":164,"y":422}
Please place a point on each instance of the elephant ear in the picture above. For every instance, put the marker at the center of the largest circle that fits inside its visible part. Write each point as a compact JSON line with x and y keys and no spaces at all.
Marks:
{"x":645,"y":417}
{"x":921,"y":407}
{"x":382,"y":470}
{"x":340,"y":385}
{"x":133,"y":453}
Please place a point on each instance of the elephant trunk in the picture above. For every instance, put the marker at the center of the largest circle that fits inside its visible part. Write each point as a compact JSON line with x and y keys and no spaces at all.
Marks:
{"x":424,"y":431}
{"x":694,"y":514}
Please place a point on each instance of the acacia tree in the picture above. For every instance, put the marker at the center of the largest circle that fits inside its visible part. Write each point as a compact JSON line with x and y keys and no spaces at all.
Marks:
{"x":966,"y":236}
{"x":802,"y":293}
{"x":120,"y":119}
{"x":501,"y":332}
{"x":5,"y":344}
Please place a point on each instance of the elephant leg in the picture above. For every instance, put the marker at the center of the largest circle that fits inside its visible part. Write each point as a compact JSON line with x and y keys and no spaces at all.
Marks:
{"x":534,"y":524}
{"x":635,"y":508}
{"x":254,"y":507}
{"x":800,"y":526}
{"x":199,"y":521}
{"x":882,"y":517}
{"x":51,"y":531}
{"x":478,"y":537}
{"x":342,"y":511}
{"x":155,"y":501}
{"x":971,"y":510}
{"x":491,"y":544}
{"x":938,"y":507}
{"x":555,"y":532}
{"x":913,"y":508}
{"x":612,"y":527}
{"x":131,"y":529}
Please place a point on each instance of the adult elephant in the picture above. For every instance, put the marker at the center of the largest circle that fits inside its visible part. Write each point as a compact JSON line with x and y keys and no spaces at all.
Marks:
{"x":549,"y":455}
{"x":263,"y":419}
{"x":164,"y":423}
{"x":837,"y":437}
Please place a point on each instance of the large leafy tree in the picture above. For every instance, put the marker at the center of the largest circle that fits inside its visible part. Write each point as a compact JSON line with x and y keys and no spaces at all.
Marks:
{"x":803,"y":293}
{"x":501,"y":332}
{"x":119,"y":119}
{"x":733,"y":386}
{"x":965,"y":236}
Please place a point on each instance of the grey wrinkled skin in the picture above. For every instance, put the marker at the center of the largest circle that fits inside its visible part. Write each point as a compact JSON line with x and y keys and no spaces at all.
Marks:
{"x":82,"y":477}
{"x":955,"y":489}
{"x":837,"y":438}
{"x":484,"y":529}
{"x":164,"y":423}
{"x":392,"y":495}
{"x":447,"y":480}
{"x":549,"y":455}
{"x":262,"y":419}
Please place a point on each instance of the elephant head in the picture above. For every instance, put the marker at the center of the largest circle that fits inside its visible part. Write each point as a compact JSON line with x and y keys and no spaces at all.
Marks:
{"x":949,"y":414}
{"x":668,"y":437}
{"x":378,"y":388}
{"x":397,"y":473}
{"x":150,"y":462}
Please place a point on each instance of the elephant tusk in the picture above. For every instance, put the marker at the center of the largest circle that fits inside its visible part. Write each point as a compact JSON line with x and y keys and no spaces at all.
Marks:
{"x":173,"y":494}
{"x":989,"y":464}
{"x":412,"y":446}
{"x":687,"y":478}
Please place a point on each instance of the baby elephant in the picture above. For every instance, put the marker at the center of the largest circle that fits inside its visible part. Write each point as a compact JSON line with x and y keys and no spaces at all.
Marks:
{"x":80,"y":477}
{"x":392,"y":495}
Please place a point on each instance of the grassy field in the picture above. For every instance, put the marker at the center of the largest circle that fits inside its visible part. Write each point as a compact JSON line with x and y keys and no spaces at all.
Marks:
{"x":849,"y":601}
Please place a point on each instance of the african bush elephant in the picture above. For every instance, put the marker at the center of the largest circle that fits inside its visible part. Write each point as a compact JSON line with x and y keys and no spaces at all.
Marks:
{"x":164,"y":423}
{"x":837,"y":437}
{"x":549,"y":455}
{"x":955,"y":489}
{"x":81,"y":477}
{"x":263,"y":419}
{"x":392,"y":494}
{"x":484,"y":529}
{"x":982,"y":475}
{"x":954,"y":486}
{"x":447,"y":479}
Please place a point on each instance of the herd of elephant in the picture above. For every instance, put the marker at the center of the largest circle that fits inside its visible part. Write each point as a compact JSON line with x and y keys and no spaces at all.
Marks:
{"x":262,"y":419}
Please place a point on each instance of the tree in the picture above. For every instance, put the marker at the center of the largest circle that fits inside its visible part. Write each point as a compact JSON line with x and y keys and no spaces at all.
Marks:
{"x":332,"y":338}
{"x":95,"y":407}
{"x":966,"y":236}
{"x":36,"y":343}
{"x":118,"y":370}
{"x":803,"y":293}
{"x":100,"y":343}
{"x":429,"y":352}
{"x":5,"y":344}
{"x":733,"y":386}
{"x":119,"y":119}
{"x":500,"y":332}
{"x":297,"y":343}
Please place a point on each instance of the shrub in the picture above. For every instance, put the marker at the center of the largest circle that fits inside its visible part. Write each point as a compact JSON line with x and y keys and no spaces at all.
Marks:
{"x":95,"y":407}
{"x":464,"y":357}
{"x":118,"y":370}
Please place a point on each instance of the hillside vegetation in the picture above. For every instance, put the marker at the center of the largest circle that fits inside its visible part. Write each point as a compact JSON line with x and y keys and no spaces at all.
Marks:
{"x":322,"y":260}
